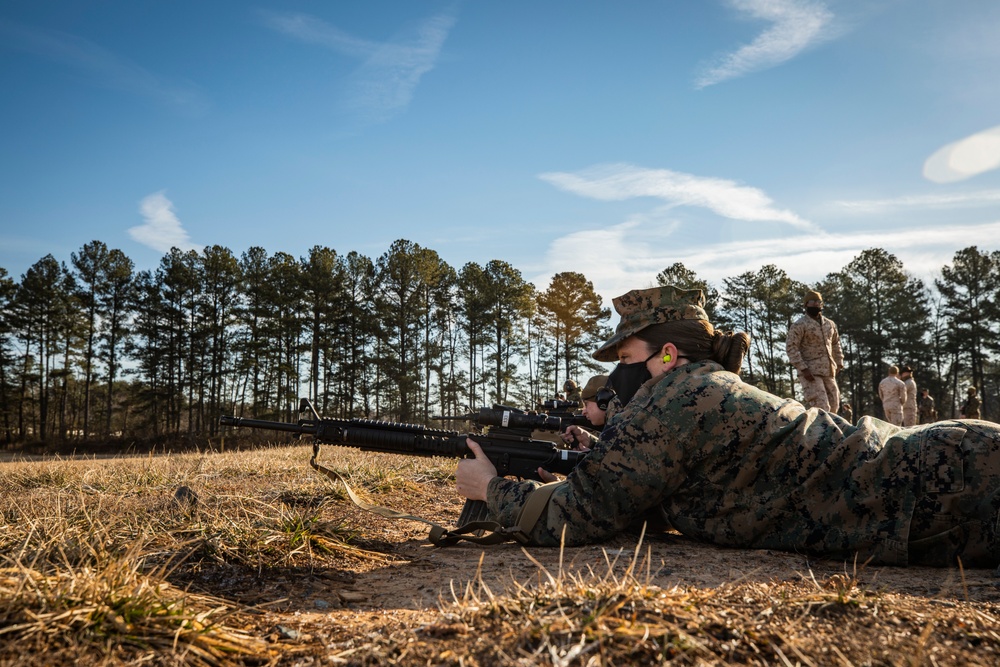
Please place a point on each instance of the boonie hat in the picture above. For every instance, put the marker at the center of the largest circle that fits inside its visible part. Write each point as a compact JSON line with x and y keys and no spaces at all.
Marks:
{"x":593,"y":385}
{"x":642,"y":308}
{"x":812,"y":295}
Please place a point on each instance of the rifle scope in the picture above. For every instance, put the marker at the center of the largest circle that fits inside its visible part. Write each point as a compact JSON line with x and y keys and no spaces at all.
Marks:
{"x":509,"y":418}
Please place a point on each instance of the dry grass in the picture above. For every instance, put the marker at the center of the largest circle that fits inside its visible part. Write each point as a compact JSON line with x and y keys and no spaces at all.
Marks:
{"x":90,"y":548}
{"x":249,"y":558}
{"x":617,"y":617}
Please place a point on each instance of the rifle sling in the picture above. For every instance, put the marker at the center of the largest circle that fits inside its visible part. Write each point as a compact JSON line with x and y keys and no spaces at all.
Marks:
{"x":442,"y":537}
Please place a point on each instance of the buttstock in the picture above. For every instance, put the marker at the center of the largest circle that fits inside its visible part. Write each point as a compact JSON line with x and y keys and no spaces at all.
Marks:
{"x":474,"y":510}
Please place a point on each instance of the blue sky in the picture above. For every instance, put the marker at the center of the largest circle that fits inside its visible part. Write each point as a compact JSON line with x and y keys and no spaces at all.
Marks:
{"x":611,"y":138}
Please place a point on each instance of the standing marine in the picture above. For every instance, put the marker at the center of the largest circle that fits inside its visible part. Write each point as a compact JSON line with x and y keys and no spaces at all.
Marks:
{"x":910,"y":410}
{"x":813,"y":347}
{"x":572,"y":392}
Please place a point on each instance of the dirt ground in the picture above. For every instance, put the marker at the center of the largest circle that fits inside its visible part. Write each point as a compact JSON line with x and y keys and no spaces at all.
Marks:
{"x":406,"y":594}
{"x":419,"y":576}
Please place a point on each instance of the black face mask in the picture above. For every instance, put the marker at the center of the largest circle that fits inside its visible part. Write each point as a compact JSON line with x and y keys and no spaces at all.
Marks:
{"x":813,"y":311}
{"x":627,"y":378}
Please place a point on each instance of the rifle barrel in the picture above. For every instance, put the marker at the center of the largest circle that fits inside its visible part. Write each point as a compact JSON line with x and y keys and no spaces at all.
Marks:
{"x":269,"y":425}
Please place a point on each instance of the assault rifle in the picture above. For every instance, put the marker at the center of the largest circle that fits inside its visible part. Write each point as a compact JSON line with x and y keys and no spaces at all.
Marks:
{"x":513,"y":455}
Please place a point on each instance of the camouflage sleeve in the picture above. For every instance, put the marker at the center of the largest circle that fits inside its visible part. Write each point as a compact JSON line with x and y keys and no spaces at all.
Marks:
{"x":505,"y":498}
{"x":633,"y":468}
{"x":793,"y":346}
{"x":838,"y":352}
{"x":614,"y":407}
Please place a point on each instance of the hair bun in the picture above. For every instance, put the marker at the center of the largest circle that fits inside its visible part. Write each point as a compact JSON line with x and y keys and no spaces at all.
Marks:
{"x":729,"y":349}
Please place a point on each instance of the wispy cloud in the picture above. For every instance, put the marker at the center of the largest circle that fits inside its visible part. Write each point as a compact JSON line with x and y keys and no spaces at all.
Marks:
{"x":103,"y":67}
{"x":797,"y":24}
{"x":724,"y":197}
{"x":161,"y":230}
{"x":935,"y":201}
{"x":965,"y":158}
{"x":639,"y":252}
{"x":384,"y":84}
{"x":312,"y":30}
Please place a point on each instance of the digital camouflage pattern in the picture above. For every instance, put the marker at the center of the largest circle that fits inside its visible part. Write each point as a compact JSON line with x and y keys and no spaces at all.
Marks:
{"x":641,"y":308}
{"x":928,"y":413}
{"x":574,"y":396}
{"x":821,"y":392}
{"x":730,"y":464}
{"x":958,"y":507}
{"x":910,"y":406}
{"x":970,"y":408}
{"x":815,"y":345}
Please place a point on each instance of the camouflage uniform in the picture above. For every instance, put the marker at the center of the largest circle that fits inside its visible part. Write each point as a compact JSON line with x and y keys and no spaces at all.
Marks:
{"x":927,"y":412}
{"x":970,"y":409}
{"x":816,"y":346}
{"x":733,"y":465}
{"x":892,"y":392}
{"x":574,"y":396}
{"x":614,"y":407}
{"x":910,"y":406}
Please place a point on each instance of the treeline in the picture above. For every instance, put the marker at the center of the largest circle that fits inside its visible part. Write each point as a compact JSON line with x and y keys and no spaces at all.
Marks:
{"x":95,"y":349}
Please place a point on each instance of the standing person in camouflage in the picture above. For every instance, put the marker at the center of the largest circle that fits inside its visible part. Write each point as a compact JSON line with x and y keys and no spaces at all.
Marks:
{"x":572,"y":392}
{"x":892,"y":393}
{"x":730,"y":464}
{"x":928,"y":413}
{"x":813,"y":347}
{"x":910,"y":406}
{"x":970,"y":409}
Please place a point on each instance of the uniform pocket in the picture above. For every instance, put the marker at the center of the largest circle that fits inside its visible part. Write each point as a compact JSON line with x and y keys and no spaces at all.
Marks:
{"x":942,"y":464}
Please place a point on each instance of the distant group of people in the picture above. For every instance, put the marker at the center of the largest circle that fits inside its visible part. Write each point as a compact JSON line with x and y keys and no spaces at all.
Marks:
{"x":898,"y":393}
{"x":813,"y":347}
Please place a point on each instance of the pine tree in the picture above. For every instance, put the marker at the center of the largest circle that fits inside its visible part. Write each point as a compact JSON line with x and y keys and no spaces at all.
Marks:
{"x":571,"y":312}
{"x":508,"y":297}
{"x":118,"y":303}
{"x":42,"y":315}
{"x":7,"y":359}
{"x":91,"y":269}
{"x":969,"y":290}
{"x":218,"y":300}
{"x":763,"y":304}
{"x":323,"y":287}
